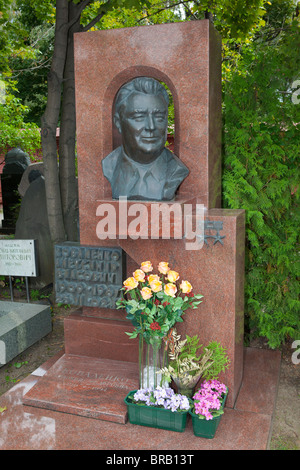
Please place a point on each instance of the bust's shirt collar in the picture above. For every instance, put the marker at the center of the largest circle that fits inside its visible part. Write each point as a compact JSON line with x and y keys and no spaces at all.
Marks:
{"x":157,"y":168}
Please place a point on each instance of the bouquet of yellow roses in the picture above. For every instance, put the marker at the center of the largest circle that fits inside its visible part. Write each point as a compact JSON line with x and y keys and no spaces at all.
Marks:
{"x":155,"y":302}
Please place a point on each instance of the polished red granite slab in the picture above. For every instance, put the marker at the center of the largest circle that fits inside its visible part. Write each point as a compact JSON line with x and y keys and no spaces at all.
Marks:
{"x":86,"y":386}
{"x":185,"y":56}
{"x":32,"y":428}
{"x":259,"y":368}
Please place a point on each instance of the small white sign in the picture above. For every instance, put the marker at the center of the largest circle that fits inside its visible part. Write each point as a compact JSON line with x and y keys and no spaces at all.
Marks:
{"x":17,"y":258}
{"x":2,"y":352}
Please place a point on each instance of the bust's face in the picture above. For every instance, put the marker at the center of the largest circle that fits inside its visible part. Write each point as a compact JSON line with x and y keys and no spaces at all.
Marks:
{"x":143,"y":125}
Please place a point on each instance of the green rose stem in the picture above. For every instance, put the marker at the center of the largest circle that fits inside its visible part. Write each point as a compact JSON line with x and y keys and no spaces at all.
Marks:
{"x":141,"y":349}
{"x":147,"y":313}
{"x":148,"y":363}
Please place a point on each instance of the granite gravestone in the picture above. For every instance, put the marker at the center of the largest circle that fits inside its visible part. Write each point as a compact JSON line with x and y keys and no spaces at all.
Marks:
{"x":187,"y":58}
{"x":25,"y":180}
{"x":21,"y":324}
{"x":33,"y":223}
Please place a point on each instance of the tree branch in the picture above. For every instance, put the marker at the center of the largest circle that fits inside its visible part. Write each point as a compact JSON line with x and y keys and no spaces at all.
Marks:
{"x":80,"y":7}
{"x":93,"y":22}
{"x":161,"y":9}
{"x":40,"y":66}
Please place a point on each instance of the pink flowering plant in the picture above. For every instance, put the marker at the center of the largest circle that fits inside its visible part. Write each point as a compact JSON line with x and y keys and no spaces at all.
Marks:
{"x":207,"y":402}
{"x":161,"y":397}
{"x":155,"y":302}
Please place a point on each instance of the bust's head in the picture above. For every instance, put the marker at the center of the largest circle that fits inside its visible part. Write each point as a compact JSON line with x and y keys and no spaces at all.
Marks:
{"x":141,"y":116}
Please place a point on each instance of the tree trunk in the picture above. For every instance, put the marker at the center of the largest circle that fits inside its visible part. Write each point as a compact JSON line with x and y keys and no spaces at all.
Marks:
{"x":49,"y":124}
{"x":67,"y":159}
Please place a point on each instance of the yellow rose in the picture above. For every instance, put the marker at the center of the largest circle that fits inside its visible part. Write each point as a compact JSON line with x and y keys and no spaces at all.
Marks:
{"x":163,"y":267}
{"x":152,"y":278}
{"x":130,"y":283}
{"x":170,"y":289}
{"x":146,"y":266}
{"x":173,"y":276}
{"x":186,"y":287}
{"x":146,"y":293}
{"x":139,"y":275}
{"x":156,"y":286}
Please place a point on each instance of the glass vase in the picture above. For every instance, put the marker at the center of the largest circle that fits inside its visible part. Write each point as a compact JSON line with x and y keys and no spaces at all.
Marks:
{"x":186,"y":384}
{"x":152,"y":358}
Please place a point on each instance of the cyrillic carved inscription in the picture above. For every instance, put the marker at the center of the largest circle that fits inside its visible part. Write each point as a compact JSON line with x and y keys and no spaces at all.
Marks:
{"x":88,"y":276}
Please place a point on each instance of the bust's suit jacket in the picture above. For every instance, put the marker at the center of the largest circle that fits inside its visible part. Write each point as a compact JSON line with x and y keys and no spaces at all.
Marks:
{"x":153,"y":181}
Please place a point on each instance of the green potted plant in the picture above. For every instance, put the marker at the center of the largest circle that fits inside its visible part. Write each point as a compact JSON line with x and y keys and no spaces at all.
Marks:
{"x":160,"y":408}
{"x":208,"y":407}
{"x":154,"y":303}
{"x":189,"y":361}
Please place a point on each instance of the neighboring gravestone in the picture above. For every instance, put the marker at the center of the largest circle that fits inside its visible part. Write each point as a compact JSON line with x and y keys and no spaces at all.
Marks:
{"x":24,"y":183}
{"x":33,"y":223}
{"x":16,"y":162}
{"x":21,"y":324}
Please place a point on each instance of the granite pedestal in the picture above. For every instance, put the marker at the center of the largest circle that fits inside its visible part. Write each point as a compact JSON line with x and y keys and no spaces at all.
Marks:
{"x":216,"y":271}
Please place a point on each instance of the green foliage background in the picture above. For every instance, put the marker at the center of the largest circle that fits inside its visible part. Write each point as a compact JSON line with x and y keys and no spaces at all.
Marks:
{"x":14,"y":131}
{"x":261,"y":172}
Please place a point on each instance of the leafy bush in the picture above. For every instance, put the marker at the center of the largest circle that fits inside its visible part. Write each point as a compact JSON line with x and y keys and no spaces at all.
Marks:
{"x":261,"y":175}
{"x":188,"y":359}
{"x":14,"y":132}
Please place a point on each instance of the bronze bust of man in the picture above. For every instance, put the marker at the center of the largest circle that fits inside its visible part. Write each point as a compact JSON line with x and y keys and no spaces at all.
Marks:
{"x":142,"y":168}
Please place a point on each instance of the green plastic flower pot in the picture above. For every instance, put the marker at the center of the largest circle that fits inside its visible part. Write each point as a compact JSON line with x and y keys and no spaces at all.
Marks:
{"x":155,"y":417}
{"x":206,"y":428}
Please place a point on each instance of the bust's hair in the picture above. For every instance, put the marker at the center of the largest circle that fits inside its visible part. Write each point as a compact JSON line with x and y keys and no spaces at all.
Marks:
{"x":145,"y":85}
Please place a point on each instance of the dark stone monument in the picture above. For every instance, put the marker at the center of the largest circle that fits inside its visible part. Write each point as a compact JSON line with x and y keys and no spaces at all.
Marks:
{"x":33,"y":223}
{"x":16,"y":162}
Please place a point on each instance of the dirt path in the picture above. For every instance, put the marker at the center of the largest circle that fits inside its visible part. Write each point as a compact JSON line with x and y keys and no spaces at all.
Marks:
{"x":286,"y":423}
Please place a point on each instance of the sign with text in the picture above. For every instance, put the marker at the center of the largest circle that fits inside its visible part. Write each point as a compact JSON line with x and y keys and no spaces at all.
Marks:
{"x":18,"y":258}
{"x":89,"y":276}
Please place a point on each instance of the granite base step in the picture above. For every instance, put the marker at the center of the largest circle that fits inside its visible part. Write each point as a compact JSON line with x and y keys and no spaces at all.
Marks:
{"x":247,"y":426}
{"x":85,"y":386}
